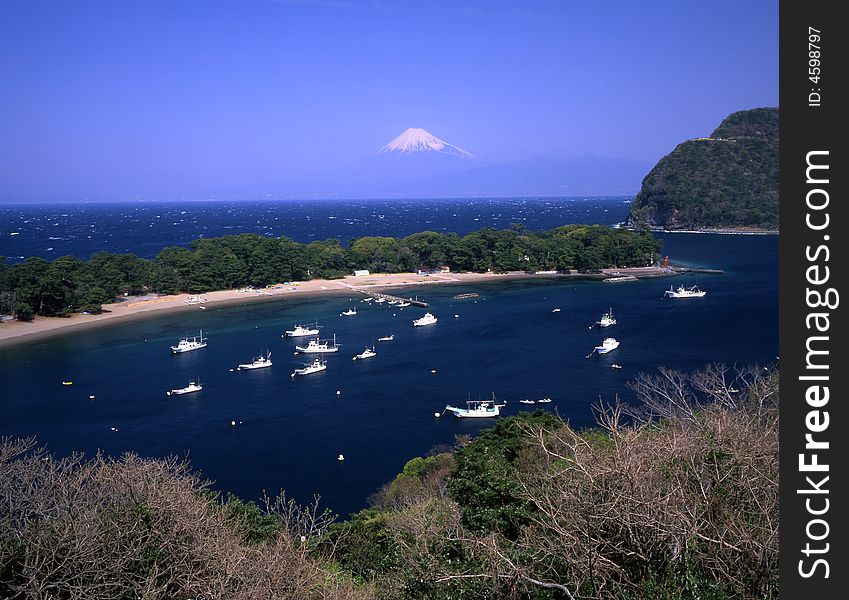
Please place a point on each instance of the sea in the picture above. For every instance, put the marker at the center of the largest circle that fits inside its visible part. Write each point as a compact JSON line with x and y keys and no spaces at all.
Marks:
{"x":380,"y":412}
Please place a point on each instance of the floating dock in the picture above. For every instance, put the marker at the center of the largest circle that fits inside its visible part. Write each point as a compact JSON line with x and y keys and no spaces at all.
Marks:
{"x":390,"y":298}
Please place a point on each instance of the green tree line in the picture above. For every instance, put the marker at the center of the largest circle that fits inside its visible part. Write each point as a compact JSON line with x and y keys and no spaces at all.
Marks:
{"x":68,"y":284}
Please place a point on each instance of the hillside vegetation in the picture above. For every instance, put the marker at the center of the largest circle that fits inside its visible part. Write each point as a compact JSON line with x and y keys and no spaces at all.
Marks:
{"x":675,"y":500}
{"x":729,"y":180}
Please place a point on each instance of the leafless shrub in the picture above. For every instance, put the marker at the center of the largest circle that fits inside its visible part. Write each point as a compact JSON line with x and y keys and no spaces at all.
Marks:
{"x":700,"y":487}
{"x":133,"y":527}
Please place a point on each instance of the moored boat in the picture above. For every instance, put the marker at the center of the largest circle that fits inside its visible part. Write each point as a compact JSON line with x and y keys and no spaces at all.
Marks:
{"x":317,"y":346}
{"x":302,"y":330}
{"x":367,"y":353}
{"x":258,"y":362}
{"x":348,"y":313}
{"x":319,"y":364}
{"x":606,"y":319}
{"x":608,"y":345}
{"x":427,"y":319}
{"x":682,"y":292}
{"x":187,"y":344}
{"x":194,"y":386}
{"x":476,"y":409}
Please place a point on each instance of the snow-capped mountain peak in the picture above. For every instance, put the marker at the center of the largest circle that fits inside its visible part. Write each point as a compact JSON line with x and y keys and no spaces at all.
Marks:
{"x":416,"y":139}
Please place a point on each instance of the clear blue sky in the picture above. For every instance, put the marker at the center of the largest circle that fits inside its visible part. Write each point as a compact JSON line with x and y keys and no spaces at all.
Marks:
{"x":138,"y":99}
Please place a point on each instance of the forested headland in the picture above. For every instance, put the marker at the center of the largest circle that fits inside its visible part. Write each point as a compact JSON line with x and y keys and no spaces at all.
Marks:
{"x":69,"y":284}
{"x":727,"y":180}
{"x":675,"y":498}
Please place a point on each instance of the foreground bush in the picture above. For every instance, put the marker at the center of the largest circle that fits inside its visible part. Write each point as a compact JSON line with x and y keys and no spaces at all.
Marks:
{"x":138,"y":528}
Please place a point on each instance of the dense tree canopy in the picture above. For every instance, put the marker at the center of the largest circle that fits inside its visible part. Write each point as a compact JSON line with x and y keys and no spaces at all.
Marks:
{"x":40,"y":287}
{"x":729,"y":180}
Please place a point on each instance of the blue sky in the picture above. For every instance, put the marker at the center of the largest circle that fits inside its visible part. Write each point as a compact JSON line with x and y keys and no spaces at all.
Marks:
{"x":233,"y":98}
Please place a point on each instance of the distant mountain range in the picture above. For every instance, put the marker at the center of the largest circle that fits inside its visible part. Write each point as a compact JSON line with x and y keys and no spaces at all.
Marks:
{"x":417,"y":164}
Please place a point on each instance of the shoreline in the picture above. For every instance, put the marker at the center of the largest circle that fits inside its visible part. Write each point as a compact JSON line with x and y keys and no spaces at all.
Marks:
{"x":718,"y":230}
{"x":13,"y":333}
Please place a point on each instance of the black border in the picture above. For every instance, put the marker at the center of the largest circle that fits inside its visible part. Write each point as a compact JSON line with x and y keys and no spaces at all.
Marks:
{"x":803,"y":129}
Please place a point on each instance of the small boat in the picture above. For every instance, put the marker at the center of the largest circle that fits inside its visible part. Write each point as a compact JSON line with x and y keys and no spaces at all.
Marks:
{"x":367,"y":299}
{"x":367,"y":353}
{"x":544,"y":401}
{"x":348,"y":313}
{"x":187,"y":344}
{"x":341,"y":457}
{"x":682,"y":292}
{"x":467,"y":295}
{"x":554,"y":310}
{"x":404,"y":304}
{"x":380,"y":300}
{"x":317,"y":346}
{"x":258,"y":363}
{"x":386,"y":338}
{"x":302,"y":330}
{"x":67,"y":383}
{"x":194,"y":386}
{"x":427,"y":319}
{"x":526,"y":401}
{"x":477,"y":409}
{"x":608,"y":345}
{"x":315,"y":366}
{"x":615,"y":366}
{"x":606,"y":319}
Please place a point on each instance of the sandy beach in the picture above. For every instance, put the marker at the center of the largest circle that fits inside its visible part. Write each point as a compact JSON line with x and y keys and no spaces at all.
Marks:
{"x":147,"y":307}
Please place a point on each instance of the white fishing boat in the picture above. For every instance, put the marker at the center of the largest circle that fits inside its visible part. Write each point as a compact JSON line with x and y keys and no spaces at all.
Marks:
{"x":608,"y":345}
{"x":682,"y":292}
{"x":615,"y":366}
{"x":194,"y":386}
{"x":187,"y":344}
{"x":427,"y":319}
{"x":606,"y":319}
{"x":302,"y":330}
{"x":319,"y":364}
{"x":367,"y":353}
{"x":258,"y":362}
{"x":404,"y":304}
{"x":386,"y":338}
{"x":526,"y":401}
{"x":317,"y":346}
{"x":544,"y":401}
{"x":476,"y":409}
{"x":380,"y":300}
{"x":367,"y":299}
{"x":554,"y":310}
{"x":348,"y":313}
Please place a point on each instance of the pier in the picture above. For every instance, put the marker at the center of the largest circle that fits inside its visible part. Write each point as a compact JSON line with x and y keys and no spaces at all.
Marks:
{"x":390,"y":298}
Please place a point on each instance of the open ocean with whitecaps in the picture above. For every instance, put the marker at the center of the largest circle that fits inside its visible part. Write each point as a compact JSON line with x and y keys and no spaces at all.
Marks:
{"x":291,"y":430}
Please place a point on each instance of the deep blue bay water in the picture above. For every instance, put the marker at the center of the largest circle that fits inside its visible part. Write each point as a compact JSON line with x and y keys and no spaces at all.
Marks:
{"x":144,"y":228}
{"x":505,"y":341}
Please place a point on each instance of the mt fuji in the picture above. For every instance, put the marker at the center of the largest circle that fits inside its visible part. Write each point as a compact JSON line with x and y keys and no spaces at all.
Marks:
{"x":415,"y":140}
